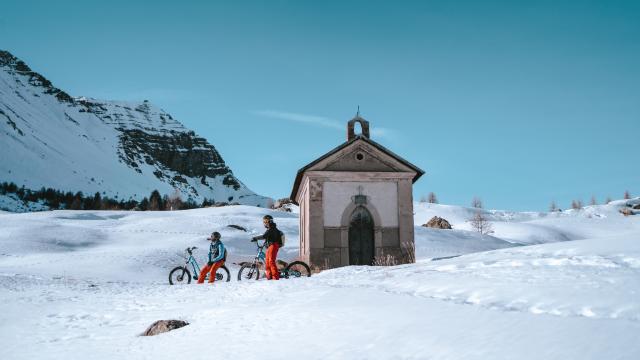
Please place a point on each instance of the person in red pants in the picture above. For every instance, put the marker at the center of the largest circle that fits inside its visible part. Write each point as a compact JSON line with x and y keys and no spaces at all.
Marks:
{"x":217,"y":257}
{"x":273,"y":241}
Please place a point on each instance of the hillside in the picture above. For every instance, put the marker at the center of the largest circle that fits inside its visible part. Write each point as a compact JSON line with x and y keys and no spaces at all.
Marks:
{"x":121,"y":149}
{"x":81,"y":284}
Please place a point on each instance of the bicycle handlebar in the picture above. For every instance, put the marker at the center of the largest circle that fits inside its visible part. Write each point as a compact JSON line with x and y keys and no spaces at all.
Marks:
{"x":190,"y":249}
{"x":257,"y":244}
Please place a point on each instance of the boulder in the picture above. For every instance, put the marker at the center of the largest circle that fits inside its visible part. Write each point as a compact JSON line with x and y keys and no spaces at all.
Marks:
{"x":284,"y":204}
{"x":627,"y":212}
{"x":237,"y":227}
{"x":162,"y":326}
{"x":437,"y":223}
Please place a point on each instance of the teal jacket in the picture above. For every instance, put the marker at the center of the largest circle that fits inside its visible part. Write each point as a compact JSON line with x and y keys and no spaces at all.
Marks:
{"x":217,"y":251}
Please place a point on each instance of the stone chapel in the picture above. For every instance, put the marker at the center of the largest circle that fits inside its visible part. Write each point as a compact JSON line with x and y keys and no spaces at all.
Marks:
{"x":356,"y":203}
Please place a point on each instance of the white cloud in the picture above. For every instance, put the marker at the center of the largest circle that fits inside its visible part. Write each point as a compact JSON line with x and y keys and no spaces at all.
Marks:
{"x":301,"y":118}
{"x":376,"y":132}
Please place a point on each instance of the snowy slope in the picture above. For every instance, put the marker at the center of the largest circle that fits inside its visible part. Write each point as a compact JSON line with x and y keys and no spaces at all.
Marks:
{"x":539,"y":227}
{"x":121,"y":149}
{"x":84,"y":284}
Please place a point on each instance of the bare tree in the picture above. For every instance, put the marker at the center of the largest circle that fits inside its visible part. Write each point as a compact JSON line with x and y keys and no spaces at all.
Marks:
{"x":480,"y":223}
{"x":423,"y":199}
{"x":432,"y":198}
{"x":608,"y":200}
{"x":174,"y":202}
{"x":476,"y":202}
{"x":576,"y":204}
{"x":627,"y":195}
{"x":553,"y":207}
{"x":593,"y":200}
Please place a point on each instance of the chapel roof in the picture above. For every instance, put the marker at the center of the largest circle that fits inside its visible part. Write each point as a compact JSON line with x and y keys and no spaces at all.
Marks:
{"x":353,"y":138}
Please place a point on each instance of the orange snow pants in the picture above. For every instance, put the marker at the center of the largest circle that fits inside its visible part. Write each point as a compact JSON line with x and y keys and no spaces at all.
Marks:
{"x":212,"y":272}
{"x":270,"y":266}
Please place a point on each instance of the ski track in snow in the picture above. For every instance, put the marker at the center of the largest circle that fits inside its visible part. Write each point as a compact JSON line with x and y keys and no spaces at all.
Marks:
{"x":85,"y":284}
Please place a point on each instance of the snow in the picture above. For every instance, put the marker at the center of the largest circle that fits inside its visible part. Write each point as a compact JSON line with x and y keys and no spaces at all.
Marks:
{"x":85,"y":284}
{"x":10,"y":202}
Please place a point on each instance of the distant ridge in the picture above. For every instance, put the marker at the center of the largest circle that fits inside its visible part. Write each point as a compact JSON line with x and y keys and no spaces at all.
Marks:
{"x":120,"y":149}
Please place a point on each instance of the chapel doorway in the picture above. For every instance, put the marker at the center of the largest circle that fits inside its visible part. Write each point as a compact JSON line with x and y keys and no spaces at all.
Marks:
{"x":361,"y":240}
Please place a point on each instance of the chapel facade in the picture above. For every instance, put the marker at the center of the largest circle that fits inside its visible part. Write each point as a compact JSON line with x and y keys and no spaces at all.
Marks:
{"x":356,"y":204}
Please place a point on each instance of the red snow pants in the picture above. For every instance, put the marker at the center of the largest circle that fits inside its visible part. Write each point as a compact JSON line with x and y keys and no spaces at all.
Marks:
{"x":270,"y":266}
{"x":212,"y":272}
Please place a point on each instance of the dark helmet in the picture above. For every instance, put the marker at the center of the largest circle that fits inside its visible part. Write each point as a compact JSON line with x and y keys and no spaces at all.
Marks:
{"x":268,"y":220}
{"x":214,"y":236}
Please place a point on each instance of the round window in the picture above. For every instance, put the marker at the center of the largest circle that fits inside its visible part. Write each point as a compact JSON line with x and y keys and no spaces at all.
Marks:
{"x":359,"y":156}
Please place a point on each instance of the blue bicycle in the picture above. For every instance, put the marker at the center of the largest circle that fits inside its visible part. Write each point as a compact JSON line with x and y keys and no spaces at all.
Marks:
{"x":181,"y":274}
{"x":251,"y":270}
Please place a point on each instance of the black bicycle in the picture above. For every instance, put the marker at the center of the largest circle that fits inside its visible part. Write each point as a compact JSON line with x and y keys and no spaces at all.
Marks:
{"x":250,"y":271}
{"x":181,"y":274}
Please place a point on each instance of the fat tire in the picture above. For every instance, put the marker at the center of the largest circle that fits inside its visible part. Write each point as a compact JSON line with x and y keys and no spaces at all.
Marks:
{"x":247,"y":268}
{"x":225,"y":273}
{"x":185,"y":273}
{"x":300,"y":263}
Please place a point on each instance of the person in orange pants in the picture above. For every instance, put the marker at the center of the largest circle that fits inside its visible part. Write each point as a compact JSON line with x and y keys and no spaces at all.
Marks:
{"x":273,"y":241}
{"x":270,"y":266}
{"x":217,"y":257}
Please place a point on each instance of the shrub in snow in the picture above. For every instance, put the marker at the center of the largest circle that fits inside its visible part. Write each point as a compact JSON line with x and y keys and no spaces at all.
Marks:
{"x":480,"y":223}
{"x":386,"y":260}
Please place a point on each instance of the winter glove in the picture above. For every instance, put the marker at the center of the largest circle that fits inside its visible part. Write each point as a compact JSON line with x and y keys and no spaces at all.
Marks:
{"x":254,"y":239}
{"x":210,"y":263}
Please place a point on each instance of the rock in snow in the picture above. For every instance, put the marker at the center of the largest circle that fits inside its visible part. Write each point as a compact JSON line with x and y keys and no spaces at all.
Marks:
{"x":163,"y":326}
{"x":438,"y":223}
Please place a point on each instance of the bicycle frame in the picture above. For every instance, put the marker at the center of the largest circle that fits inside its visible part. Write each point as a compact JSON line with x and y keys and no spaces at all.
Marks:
{"x":194,"y":264}
{"x":250,"y":270}
{"x":261,"y":256}
{"x":196,"y":269}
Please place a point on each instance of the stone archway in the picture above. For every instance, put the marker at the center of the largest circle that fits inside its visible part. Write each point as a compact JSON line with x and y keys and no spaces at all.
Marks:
{"x":361,"y":237}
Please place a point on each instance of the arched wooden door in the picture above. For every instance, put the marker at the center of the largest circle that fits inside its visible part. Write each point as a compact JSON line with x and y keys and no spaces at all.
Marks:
{"x":361,"y":241}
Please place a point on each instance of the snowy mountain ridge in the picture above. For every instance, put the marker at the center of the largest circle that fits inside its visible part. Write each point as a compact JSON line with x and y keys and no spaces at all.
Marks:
{"x":121,"y":149}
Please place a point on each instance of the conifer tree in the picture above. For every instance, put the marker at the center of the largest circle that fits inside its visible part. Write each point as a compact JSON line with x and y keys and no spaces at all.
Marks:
{"x":155,"y":201}
{"x":97,"y":201}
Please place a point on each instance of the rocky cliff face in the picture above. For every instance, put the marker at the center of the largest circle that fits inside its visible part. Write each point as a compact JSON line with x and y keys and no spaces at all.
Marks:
{"x":123,"y":149}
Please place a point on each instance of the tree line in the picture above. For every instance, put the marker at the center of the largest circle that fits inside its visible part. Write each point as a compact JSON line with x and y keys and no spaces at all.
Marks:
{"x":553,"y":207}
{"x":59,"y":200}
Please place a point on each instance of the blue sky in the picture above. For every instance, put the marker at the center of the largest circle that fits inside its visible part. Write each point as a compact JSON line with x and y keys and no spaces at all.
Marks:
{"x":518,"y":103}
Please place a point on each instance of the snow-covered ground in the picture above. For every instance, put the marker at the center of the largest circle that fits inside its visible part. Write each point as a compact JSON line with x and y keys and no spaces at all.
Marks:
{"x":85,"y":284}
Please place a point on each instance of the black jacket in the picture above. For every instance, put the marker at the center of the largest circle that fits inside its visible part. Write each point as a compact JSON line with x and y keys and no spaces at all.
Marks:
{"x":271,"y":236}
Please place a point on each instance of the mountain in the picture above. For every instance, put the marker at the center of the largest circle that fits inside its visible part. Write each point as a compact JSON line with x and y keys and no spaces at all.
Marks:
{"x":120,"y":149}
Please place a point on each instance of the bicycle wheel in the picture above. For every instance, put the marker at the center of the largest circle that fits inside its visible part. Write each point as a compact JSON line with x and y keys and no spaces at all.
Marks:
{"x":223,"y":274}
{"x":179,"y":275}
{"x":297,"y":269}
{"x":248,"y":272}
